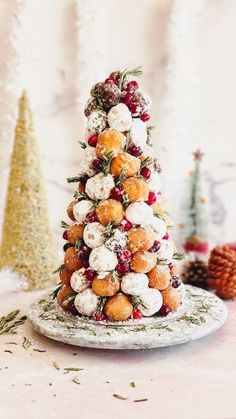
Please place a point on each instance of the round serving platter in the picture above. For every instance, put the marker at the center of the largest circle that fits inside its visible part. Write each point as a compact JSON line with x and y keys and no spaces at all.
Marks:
{"x":201,"y":314}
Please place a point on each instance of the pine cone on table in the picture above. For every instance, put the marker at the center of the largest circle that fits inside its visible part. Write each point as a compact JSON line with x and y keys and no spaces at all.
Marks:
{"x":222,"y":271}
{"x":195,"y":273}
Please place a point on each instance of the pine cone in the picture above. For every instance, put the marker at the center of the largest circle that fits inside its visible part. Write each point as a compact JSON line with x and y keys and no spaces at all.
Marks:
{"x":222,"y":271}
{"x":195,"y":273}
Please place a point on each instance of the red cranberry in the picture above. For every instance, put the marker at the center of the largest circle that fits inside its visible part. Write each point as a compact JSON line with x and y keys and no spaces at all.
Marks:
{"x":156,"y":246}
{"x":92,"y":141}
{"x":122,"y":268}
{"x":66,"y":246}
{"x":84,"y":252}
{"x":65,"y":235}
{"x":126,"y":225}
{"x":171,"y":266}
{"x":135,"y":150}
{"x":117,"y":194}
{"x":137,"y":314}
{"x":98,"y":316}
{"x":91,"y":217}
{"x":145,"y":117}
{"x":145,"y":172}
{"x":176,"y":282}
{"x":133,"y":108}
{"x":97,"y":165}
{"x":124,"y":256}
{"x":151,"y":198}
{"x":111,"y":80}
{"x":166,"y":237}
{"x":89,"y":274}
{"x":164,"y":310}
{"x":128,"y":99}
{"x":131,"y":86}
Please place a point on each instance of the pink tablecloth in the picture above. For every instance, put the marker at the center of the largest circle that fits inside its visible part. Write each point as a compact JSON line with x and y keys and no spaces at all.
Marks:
{"x":195,"y":380}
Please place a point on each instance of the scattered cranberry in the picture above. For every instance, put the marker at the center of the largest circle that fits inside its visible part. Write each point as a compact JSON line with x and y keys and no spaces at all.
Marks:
{"x":83,"y":179}
{"x":122,"y":268}
{"x":84,"y":252}
{"x":171,"y":266}
{"x":164,"y":310}
{"x":145,"y":172}
{"x":151,"y":198}
{"x":133,"y":108}
{"x":65,"y":235}
{"x":145,"y":117}
{"x":128,"y":99}
{"x":97,"y":165}
{"x":135,"y":150}
{"x":98,"y":316}
{"x":117,"y":194}
{"x":92,"y":141}
{"x":124,"y":256}
{"x":156,"y":246}
{"x":89,"y":274}
{"x":111,"y":80}
{"x":91,"y":217}
{"x":137,"y":314}
{"x":176,"y":282}
{"x":66,"y":246}
{"x":131,"y":86}
{"x":166,"y":237}
{"x":126,"y":225}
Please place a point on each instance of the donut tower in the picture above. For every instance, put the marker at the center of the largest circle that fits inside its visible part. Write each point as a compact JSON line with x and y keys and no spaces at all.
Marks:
{"x":120,"y":262}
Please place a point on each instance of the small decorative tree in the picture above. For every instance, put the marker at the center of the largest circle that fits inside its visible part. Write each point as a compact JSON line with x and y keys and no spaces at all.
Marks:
{"x":27,"y":242}
{"x":196,"y":244}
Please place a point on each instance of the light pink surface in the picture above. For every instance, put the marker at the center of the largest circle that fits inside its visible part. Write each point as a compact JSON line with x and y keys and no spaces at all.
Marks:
{"x":195,"y":380}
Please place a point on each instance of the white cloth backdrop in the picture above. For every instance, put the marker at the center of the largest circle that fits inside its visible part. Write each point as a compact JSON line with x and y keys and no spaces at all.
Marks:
{"x":65,"y":45}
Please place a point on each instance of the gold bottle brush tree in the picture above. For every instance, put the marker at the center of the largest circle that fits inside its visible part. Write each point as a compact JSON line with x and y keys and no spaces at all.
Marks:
{"x":27,"y":245}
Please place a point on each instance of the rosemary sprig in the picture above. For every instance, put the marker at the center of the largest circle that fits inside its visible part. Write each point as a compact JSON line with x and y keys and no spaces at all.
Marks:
{"x":55,"y":292}
{"x":101,"y":304}
{"x":70,"y":300}
{"x":161,"y":261}
{"x":58,"y":269}
{"x":83,"y":145}
{"x":78,"y":244}
{"x":178,"y":256}
{"x":125,"y":200}
{"x":76,"y":178}
{"x":132,"y":384}
{"x":136,"y":72}
{"x":55,"y":364}
{"x":193,"y":319}
{"x":146,"y":162}
{"x":121,"y":178}
{"x":73,"y":179}
{"x":107,"y":162}
{"x":10,"y":323}
{"x":79,"y":196}
{"x":117,"y":396}
{"x":69,"y":369}
{"x":150,"y":128}
{"x":137,"y":301}
{"x":109,"y":230}
{"x":76,"y":380}
{"x":64,"y":224}
{"x":26,"y":343}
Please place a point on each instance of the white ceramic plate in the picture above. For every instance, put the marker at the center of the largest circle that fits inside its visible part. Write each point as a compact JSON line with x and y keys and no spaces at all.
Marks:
{"x":201,"y":314}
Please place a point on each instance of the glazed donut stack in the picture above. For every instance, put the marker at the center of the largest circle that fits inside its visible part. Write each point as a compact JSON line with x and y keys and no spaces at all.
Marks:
{"x":120,"y":262}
